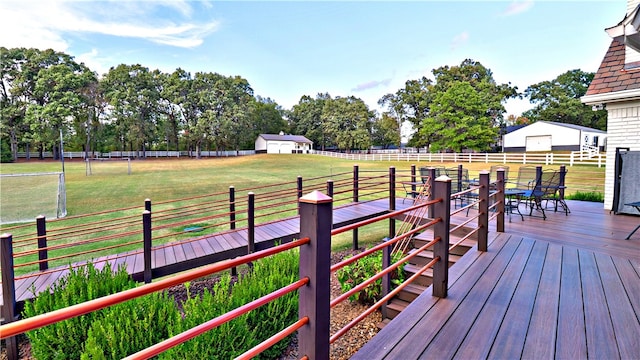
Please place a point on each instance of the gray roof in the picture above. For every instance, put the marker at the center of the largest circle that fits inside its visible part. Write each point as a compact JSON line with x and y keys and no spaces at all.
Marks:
{"x":294,"y":138}
{"x":572,"y":126}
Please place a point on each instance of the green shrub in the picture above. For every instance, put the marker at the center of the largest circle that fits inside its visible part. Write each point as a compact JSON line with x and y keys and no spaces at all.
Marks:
{"x":5,"y":151}
{"x":354,"y":274}
{"x":592,"y":196}
{"x":241,"y":334}
{"x":129,"y":327}
{"x":65,"y":339}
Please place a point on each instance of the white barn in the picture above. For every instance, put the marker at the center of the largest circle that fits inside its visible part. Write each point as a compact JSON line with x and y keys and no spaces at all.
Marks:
{"x":616,"y":87}
{"x":553,"y":136}
{"x":283,"y":144}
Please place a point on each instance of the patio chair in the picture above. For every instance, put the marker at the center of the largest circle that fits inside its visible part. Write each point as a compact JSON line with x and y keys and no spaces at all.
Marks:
{"x":526,"y":179}
{"x":546,"y":187}
{"x":493,"y":173}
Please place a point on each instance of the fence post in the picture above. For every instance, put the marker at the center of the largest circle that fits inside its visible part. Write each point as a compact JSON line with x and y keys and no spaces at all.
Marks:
{"x":146,"y":239}
{"x":316,"y":212}
{"x":500,"y":200}
{"x":330,"y":188}
{"x":41,"y":226}
{"x":386,"y":279}
{"x":251,"y":227}
{"x":232,"y":207}
{"x":441,"y":210}
{"x":392,"y":200}
{"x":8,"y":291}
{"x":299,"y":189}
{"x":571,"y":159}
{"x":483,"y":211}
{"x":431,"y":180}
{"x":147,"y":204}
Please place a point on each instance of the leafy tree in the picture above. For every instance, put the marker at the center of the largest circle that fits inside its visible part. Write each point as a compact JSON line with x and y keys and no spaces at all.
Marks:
{"x":12,"y":102}
{"x":267,"y":117}
{"x":133,"y":93}
{"x":347,"y":122}
{"x":410,"y":103}
{"x":459,"y":120}
{"x":385,"y":131}
{"x":305,"y":118}
{"x":559,"y":100}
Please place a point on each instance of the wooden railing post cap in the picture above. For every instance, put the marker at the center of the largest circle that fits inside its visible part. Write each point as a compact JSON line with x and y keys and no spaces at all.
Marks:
{"x":316,"y":197}
{"x":5,"y":235}
{"x":40,"y":217}
{"x":443,"y":178}
{"x":145,"y":212}
{"x":231,"y":187}
{"x":486,"y":171}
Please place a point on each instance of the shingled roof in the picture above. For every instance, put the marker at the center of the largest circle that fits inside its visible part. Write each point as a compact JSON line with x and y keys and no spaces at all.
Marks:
{"x":612,"y":75}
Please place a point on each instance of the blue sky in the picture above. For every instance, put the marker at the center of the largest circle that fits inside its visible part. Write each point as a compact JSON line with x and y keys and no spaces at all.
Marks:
{"x":288,"y":49}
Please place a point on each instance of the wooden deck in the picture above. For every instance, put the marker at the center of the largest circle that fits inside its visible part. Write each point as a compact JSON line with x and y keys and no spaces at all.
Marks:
{"x":564,"y":287}
{"x":190,"y":253}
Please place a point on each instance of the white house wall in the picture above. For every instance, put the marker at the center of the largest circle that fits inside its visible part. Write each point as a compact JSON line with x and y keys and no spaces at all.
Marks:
{"x":623,"y":130}
{"x":261,"y":144}
{"x":562,"y":138}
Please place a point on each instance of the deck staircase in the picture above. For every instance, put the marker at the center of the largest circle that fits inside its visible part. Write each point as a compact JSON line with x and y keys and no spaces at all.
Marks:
{"x":413,"y":290}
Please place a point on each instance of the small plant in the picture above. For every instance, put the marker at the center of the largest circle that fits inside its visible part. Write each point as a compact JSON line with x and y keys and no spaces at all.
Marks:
{"x":352,"y":275}
{"x":592,"y":196}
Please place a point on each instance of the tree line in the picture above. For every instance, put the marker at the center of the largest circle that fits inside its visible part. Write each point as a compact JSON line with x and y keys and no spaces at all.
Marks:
{"x":46,"y":96}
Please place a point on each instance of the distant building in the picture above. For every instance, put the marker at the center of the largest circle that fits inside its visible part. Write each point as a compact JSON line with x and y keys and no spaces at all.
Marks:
{"x":616,"y":87}
{"x":553,"y":136}
{"x":283,"y":144}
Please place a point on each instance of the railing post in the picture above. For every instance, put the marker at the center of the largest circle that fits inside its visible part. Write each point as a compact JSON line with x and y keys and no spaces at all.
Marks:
{"x":483,"y":211}
{"x":299,"y":191}
{"x":232,"y":207}
{"x":41,"y":226}
{"x":431,"y":180}
{"x":459,"y":179}
{"x":392,"y":200}
{"x":356,"y":198}
{"x":500,"y":200}
{"x":386,"y":279}
{"x":330,"y":188}
{"x":442,"y":209}
{"x":8,"y":291}
{"x":147,"y":204}
{"x":316,"y":212}
{"x":413,"y":178}
{"x":251,"y":227}
{"x":146,"y":239}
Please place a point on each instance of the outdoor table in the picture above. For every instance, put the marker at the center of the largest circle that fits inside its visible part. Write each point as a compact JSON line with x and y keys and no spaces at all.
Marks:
{"x":512,"y":201}
{"x":637,"y":206}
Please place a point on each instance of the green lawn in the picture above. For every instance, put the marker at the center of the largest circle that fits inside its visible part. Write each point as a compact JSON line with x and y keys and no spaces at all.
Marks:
{"x":162,"y":180}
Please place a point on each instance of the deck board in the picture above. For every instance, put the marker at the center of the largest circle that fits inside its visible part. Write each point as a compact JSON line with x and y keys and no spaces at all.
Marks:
{"x":570,"y":296}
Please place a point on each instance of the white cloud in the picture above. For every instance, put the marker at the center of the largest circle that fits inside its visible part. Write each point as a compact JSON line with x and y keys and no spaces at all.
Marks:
{"x":45,"y":24}
{"x":371,"y":85}
{"x":459,"y":39}
{"x":517,"y":7}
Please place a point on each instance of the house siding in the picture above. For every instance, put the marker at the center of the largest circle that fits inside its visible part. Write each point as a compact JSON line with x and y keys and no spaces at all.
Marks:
{"x":623,"y":128}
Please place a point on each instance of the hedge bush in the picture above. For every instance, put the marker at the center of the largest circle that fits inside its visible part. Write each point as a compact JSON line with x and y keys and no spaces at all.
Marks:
{"x":65,"y":339}
{"x":241,"y":334}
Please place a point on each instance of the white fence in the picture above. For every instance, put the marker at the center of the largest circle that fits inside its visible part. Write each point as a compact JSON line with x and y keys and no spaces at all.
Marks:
{"x":136,"y":154}
{"x":502,"y":158}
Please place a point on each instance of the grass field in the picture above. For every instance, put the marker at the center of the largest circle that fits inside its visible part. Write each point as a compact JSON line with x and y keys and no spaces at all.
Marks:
{"x":162,"y":180}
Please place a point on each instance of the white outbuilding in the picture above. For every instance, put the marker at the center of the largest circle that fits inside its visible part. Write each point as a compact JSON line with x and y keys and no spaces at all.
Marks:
{"x":283,"y":144}
{"x":554,"y":136}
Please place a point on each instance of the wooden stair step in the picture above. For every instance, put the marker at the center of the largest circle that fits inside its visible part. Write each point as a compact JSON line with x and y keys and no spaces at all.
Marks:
{"x":425,"y":256}
{"x":411,"y":292}
{"x":461,"y":249}
{"x":395,"y":306}
{"x":425,"y":279}
{"x":383,"y":323}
